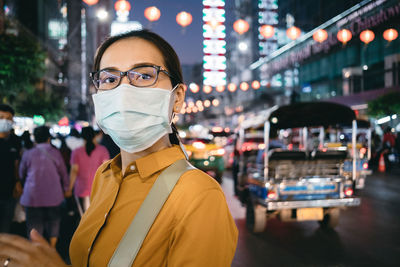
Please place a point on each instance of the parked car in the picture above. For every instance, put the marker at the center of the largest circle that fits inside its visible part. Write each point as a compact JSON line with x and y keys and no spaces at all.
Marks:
{"x":299,"y":184}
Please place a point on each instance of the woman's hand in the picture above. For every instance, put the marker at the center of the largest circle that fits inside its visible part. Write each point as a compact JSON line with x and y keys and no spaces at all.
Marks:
{"x":22,"y":252}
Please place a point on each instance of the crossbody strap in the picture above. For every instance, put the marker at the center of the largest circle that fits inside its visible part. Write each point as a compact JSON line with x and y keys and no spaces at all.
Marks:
{"x":132,"y":240}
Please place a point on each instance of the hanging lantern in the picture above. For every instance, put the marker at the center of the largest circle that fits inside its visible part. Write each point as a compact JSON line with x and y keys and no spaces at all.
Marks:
{"x":267,"y":31}
{"x":122,"y":6}
{"x":152,"y":13}
{"x":241,"y":26}
{"x":215,"y":102}
{"x":293,"y":32}
{"x":91,"y":2}
{"x":320,"y":35}
{"x":390,"y":35}
{"x":184,"y":18}
{"x":207,"y":89}
{"x":244,"y":86}
{"x":220,"y":88}
{"x":344,"y":36}
{"x":194,"y":88}
{"x":367,"y":36}
{"x":195,"y":109}
{"x":232,"y":87}
{"x":207,"y":103}
{"x":256,"y":85}
{"x":199,"y":103}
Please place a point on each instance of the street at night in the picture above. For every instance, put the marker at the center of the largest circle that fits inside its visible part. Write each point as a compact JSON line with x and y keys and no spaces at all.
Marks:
{"x":368,"y":235}
{"x":201,"y":133}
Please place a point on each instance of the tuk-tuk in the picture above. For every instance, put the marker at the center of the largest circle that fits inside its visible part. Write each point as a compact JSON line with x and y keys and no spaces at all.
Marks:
{"x":299,"y":182}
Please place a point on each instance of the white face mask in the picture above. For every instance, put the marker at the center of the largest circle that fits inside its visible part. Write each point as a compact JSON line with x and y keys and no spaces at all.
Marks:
{"x":5,"y":125}
{"x":134,"y":117}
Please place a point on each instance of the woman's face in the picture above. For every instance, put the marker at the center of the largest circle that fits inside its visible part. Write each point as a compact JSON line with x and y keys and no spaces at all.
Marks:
{"x":125,"y":54}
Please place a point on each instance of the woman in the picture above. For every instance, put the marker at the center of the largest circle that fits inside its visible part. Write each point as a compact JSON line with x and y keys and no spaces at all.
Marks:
{"x":84,"y":162}
{"x":45,"y":179}
{"x":139,"y":82}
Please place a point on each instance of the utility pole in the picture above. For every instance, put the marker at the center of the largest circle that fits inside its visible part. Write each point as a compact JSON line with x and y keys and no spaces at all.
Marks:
{"x":74,"y":58}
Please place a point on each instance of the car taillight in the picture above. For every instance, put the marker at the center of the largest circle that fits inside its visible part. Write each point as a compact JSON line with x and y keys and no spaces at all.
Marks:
{"x":365,"y":165}
{"x":348,"y":192}
{"x":199,"y":145}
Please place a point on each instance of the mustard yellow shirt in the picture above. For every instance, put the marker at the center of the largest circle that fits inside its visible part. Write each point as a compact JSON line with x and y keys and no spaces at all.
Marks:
{"x":194,"y":227}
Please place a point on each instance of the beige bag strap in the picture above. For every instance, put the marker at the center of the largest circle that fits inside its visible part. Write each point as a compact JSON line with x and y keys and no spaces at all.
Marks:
{"x":130,"y":244}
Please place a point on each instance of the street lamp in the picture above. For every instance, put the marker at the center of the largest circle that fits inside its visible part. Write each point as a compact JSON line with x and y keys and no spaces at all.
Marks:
{"x":243,"y":46}
{"x":102,"y":14}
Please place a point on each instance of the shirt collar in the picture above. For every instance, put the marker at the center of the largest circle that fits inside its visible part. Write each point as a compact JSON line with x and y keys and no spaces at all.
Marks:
{"x":149,"y":164}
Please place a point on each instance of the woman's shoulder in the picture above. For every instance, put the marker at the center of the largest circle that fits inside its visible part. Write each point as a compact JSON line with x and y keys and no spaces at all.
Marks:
{"x":197,"y":181}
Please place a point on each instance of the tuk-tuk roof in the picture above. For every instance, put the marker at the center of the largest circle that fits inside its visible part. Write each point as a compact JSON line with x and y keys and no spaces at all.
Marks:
{"x":311,"y":114}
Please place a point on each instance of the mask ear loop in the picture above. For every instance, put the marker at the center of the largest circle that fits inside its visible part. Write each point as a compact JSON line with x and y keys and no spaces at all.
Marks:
{"x":177,"y":135}
{"x":173,"y":112}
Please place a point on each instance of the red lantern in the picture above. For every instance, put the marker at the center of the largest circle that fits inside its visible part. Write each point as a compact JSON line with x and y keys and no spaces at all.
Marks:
{"x":91,"y":2}
{"x":256,"y":85}
{"x":232,"y":87}
{"x":367,"y":36}
{"x":267,"y":31}
{"x":293,"y":32}
{"x":390,"y":35}
{"x":244,"y":86}
{"x":207,"y":89}
{"x":320,"y":35}
{"x":152,"y":13}
{"x":220,"y":88}
{"x":184,"y":18}
{"x":344,"y":36}
{"x":241,"y":26}
{"x":122,"y":5}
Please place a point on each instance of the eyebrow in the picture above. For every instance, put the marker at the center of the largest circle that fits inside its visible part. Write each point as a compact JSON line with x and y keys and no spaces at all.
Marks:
{"x":141,"y":64}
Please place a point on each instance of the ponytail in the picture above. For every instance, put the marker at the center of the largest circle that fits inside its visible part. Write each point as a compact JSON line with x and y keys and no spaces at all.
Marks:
{"x":88,"y":135}
{"x":173,"y":137}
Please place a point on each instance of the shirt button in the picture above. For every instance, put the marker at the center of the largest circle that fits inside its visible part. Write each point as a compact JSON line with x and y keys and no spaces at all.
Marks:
{"x":133,"y":168}
{"x":88,"y":249}
{"x":105,"y":215}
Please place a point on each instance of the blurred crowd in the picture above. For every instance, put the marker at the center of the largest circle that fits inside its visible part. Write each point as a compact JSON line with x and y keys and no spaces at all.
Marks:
{"x":386,"y":148}
{"x":44,"y":176}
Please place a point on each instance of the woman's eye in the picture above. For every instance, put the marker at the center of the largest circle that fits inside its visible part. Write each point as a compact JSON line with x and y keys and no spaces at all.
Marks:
{"x":145,"y":76}
{"x":109,"y":80}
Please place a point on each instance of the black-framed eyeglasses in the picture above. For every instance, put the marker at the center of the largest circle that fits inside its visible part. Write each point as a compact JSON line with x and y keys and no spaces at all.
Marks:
{"x":141,"y":76}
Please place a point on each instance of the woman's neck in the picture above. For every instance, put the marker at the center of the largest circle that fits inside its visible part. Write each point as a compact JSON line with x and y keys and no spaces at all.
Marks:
{"x":127,"y":158}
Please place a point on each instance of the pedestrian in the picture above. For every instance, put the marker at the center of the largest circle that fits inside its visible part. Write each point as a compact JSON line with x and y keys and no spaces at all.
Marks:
{"x":10,"y":187}
{"x":84,"y":163}
{"x":26,"y":141}
{"x":139,"y":82}
{"x":45,"y":180}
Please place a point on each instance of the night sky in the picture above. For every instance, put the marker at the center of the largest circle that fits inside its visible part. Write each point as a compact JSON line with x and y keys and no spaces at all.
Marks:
{"x":188,"y":43}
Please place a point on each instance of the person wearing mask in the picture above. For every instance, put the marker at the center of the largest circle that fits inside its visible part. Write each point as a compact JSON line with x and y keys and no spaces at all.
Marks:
{"x":140,"y":87}
{"x":45,"y":180}
{"x":84,"y":163}
{"x":10,"y":187}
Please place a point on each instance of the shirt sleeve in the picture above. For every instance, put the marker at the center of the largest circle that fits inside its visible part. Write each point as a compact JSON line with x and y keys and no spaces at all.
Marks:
{"x":206,"y":235}
{"x":23,"y":167}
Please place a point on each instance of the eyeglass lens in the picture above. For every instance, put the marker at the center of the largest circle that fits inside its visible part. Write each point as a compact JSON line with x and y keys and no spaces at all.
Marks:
{"x":140,"y":77}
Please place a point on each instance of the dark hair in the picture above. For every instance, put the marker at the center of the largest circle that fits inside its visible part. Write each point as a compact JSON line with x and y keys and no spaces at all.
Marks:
{"x":74,"y":132}
{"x":41,"y":134}
{"x":26,"y":140}
{"x":170,"y":59}
{"x":88,"y":134}
{"x":7,"y":108}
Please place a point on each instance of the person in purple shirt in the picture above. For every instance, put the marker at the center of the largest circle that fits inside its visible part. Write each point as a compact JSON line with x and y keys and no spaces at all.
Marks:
{"x":45,"y":180}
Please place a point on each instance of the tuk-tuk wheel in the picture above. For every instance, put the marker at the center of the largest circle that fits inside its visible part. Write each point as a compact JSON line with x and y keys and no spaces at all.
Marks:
{"x":331,"y":218}
{"x":256,"y":217}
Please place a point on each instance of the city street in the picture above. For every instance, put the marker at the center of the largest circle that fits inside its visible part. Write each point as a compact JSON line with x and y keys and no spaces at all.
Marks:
{"x":368,"y":235}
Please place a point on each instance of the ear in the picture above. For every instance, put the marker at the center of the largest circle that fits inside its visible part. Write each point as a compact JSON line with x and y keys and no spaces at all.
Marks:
{"x":179,"y":98}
